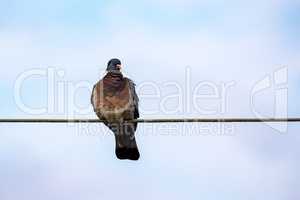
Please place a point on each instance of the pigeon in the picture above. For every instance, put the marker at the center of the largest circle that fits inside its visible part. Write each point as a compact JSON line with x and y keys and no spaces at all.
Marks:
{"x":115,"y":102}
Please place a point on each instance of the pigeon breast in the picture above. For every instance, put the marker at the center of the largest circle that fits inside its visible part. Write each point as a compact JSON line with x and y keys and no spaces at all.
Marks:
{"x":112,"y":98}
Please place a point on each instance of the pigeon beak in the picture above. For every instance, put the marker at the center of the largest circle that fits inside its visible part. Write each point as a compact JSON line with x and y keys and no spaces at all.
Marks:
{"x":119,"y":67}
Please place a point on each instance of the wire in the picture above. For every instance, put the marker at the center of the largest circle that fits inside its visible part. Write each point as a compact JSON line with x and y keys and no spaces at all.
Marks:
{"x":180,"y":120}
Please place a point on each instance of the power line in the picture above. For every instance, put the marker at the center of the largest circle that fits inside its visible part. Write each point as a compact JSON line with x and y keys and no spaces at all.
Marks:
{"x":179,"y":120}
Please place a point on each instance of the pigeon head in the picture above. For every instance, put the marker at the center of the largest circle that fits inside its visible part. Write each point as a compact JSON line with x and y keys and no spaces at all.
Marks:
{"x":114,"y":65}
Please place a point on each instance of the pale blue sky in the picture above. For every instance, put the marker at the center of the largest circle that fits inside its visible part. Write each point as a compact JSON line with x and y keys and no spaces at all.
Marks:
{"x":220,"y":41}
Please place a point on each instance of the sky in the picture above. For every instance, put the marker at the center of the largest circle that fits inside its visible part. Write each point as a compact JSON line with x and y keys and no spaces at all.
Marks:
{"x":189,"y":59}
